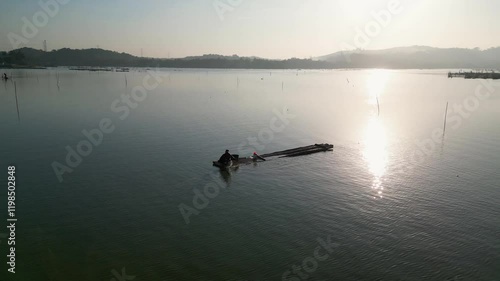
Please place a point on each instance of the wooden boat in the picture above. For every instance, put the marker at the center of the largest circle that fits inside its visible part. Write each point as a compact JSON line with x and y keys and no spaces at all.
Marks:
{"x":234,"y":163}
{"x":224,"y":166}
{"x":294,"y":152}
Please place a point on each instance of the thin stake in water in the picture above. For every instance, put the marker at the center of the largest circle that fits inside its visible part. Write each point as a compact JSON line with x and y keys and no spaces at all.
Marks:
{"x":126,"y":82}
{"x":378,"y":107}
{"x":57,"y":78}
{"x":17,"y":104}
{"x":445,"y":115}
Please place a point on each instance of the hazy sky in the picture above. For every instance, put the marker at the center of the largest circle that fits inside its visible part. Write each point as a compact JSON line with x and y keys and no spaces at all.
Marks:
{"x":265,"y":28}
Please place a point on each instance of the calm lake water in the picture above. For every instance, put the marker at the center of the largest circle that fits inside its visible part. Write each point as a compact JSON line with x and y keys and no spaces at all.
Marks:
{"x":400,"y":201}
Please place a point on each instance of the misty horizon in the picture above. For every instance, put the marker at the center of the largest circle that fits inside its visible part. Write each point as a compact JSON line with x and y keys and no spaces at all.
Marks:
{"x":421,"y":57}
{"x":268,"y":58}
{"x":276,"y":30}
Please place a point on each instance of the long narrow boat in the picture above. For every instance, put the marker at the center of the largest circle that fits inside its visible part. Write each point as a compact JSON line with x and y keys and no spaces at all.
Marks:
{"x":299,"y":151}
{"x":222,"y":166}
{"x":234,"y":163}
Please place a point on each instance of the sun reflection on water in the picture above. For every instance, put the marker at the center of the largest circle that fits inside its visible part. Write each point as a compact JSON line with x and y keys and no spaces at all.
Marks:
{"x":376,"y":85}
{"x":375,"y":137}
{"x":375,"y":152}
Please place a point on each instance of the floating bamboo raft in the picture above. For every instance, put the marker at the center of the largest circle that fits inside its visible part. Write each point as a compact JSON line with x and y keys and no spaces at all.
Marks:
{"x":299,"y":151}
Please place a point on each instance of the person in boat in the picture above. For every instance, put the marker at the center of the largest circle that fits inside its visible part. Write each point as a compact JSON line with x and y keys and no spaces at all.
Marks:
{"x":255,"y":157}
{"x":226,"y":158}
{"x":4,"y":76}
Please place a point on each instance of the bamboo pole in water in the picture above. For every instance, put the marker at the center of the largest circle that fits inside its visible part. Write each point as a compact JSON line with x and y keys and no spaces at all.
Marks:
{"x":445,"y":115}
{"x":17,"y":104}
{"x":57,"y":78}
{"x":378,"y":107}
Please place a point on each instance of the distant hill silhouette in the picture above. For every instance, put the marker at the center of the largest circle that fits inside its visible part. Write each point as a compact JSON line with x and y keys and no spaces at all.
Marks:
{"x":396,"y":58}
{"x":416,"y":57}
{"x":99,"y":57}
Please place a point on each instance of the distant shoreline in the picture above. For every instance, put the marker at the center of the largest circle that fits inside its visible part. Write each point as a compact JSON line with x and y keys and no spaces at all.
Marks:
{"x":113,"y":68}
{"x":401,"y":58}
